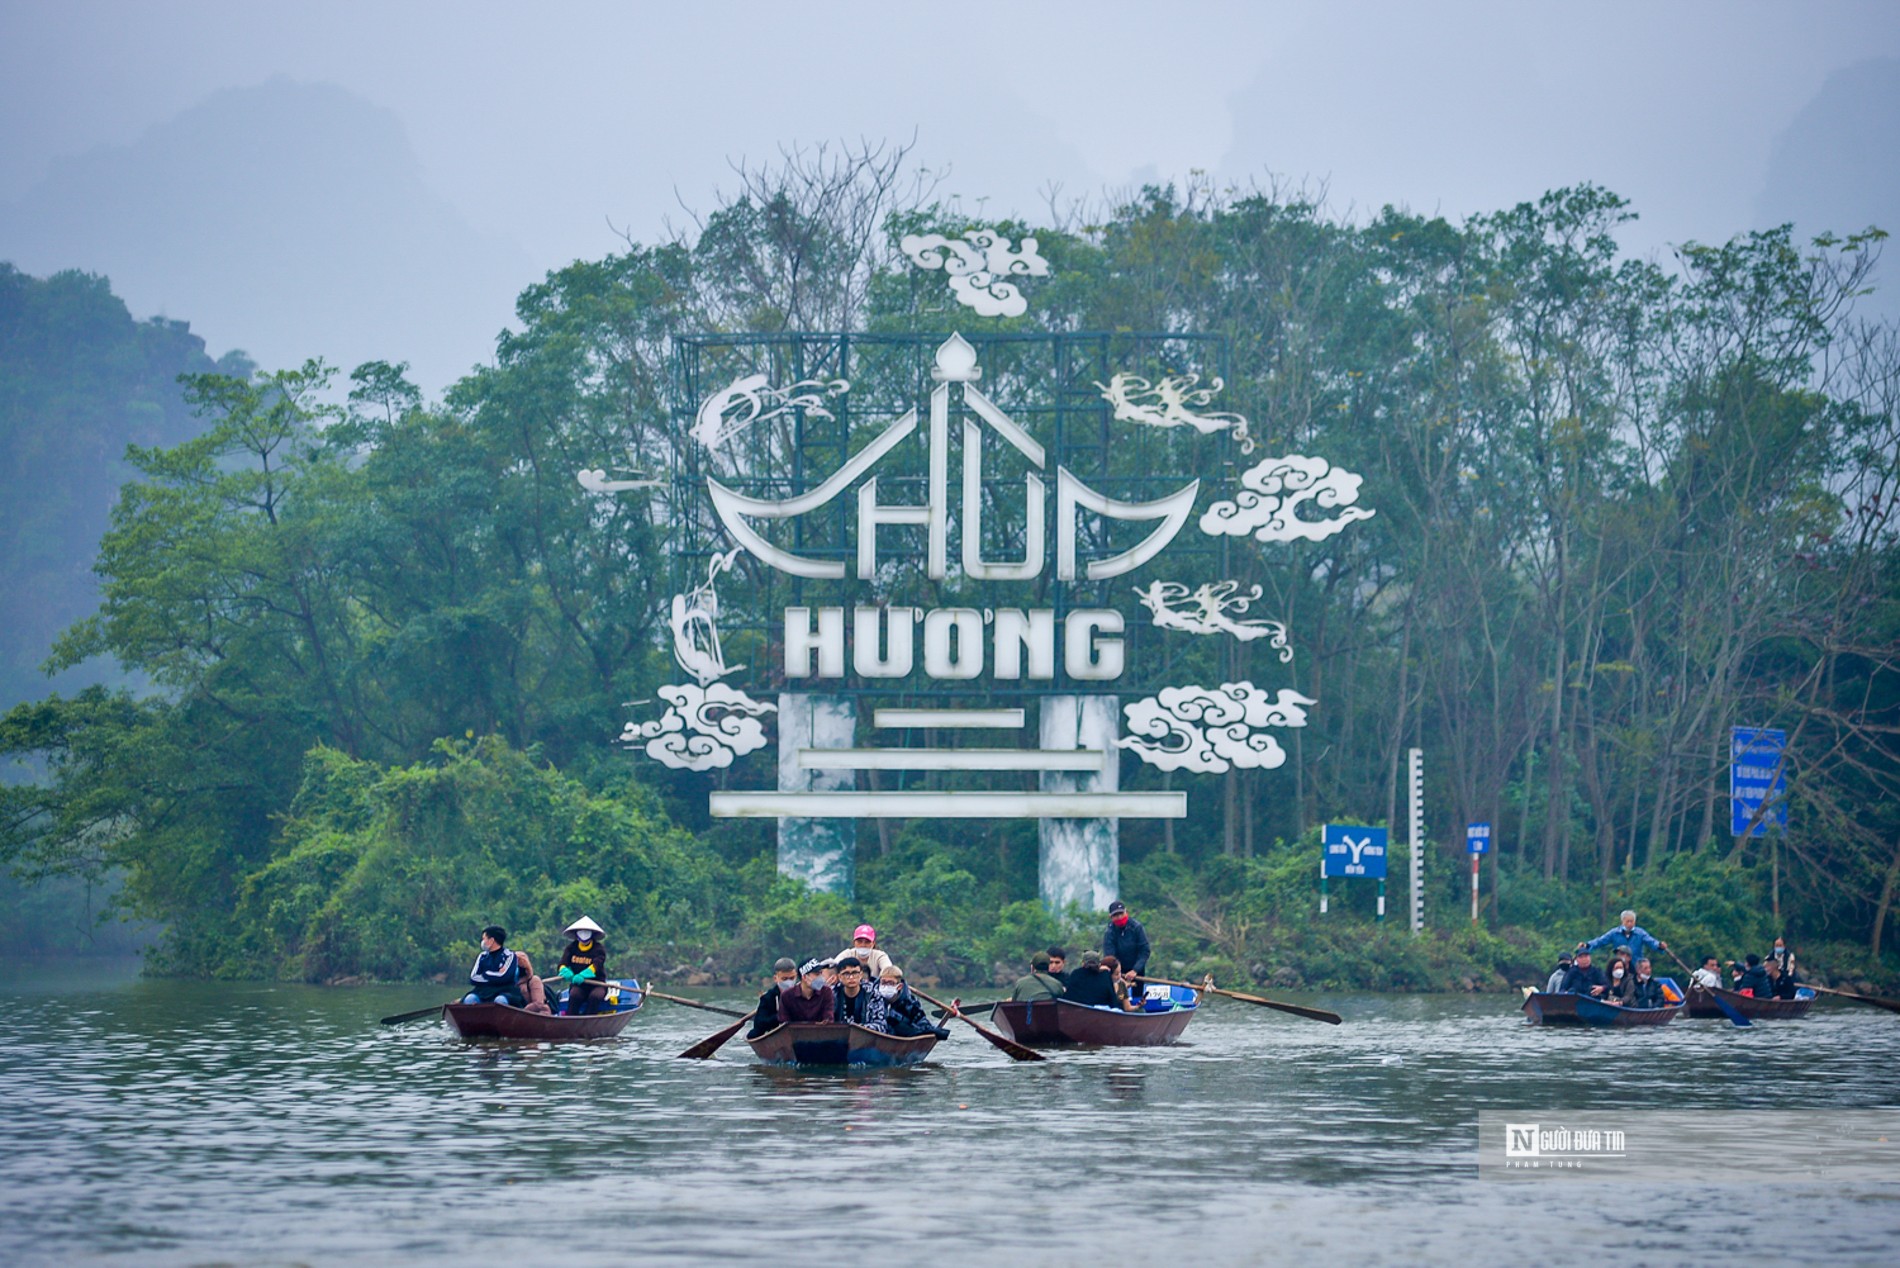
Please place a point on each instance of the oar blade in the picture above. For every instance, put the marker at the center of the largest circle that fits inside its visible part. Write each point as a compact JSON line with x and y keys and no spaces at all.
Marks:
{"x":713,"y":1043}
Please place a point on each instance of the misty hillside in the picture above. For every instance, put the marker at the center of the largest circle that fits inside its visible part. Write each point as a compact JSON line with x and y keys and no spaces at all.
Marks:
{"x":1824,"y":176}
{"x":79,"y":381}
{"x":290,"y":219}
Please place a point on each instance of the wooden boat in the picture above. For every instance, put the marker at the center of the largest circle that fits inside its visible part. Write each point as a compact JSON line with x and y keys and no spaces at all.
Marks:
{"x":1061,"y":1022}
{"x":839,"y":1044}
{"x":1702,"y":1003}
{"x":1554,"y":1008}
{"x":505,"y":1021}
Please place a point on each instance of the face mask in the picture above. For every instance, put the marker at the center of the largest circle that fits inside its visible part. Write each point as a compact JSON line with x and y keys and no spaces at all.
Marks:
{"x":815,"y":983}
{"x":786,"y":984}
{"x":888,"y":992}
{"x":1120,"y":920}
{"x":1618,"y":973}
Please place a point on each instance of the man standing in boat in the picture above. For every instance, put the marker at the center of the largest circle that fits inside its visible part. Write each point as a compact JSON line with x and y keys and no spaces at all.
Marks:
{"x":1626,"y":936}
{"x":494,"y":978}
{"x":584,"y":968}
{"x":1126,"y":940}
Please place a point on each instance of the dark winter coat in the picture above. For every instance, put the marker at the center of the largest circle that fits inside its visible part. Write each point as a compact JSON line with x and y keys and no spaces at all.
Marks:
{"x":908,"y":1018}
{"x":1129,"y":945}
{"x":867,"y":1009}
{"x":1579,"y":980}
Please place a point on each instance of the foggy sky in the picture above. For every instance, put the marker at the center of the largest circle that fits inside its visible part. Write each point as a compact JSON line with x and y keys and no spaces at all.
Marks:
{"x":359,"y":180}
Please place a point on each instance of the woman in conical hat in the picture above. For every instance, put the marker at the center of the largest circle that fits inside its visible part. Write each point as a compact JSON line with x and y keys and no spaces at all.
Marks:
{"x":584,"y":968}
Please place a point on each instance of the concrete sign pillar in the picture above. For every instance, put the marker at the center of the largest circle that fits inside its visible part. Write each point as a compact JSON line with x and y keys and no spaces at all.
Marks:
{"x":820,"y":852}
{"x":1081,"y":858}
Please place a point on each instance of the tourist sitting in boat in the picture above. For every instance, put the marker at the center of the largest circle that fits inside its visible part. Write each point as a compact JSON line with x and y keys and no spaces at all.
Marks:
{"x":1037,"y":985}
{"x":828,"y":969}
{"x":1644,"y":990}
{"x":1556,"y":981}
{"x":1622,"y":983}
{"x":495,"y":977}
{"x":864,"y":949}
{"x":584,"y":968}
{"x":1783,"y":979}
{"x":855,"y":1001}
{"x":532,"y":987}
{"x":1127,"y":986}
{"x":1754,"y":979}
{"x":1708,"y":977}
{"x":1779,"y":953}
{"x":1126,"y":940}
{"x":765,"y":1016}
{"x":1628,"y":936}
{"x":1091,"y":984}
{"x":812,"y":1001}
{"x":1585,"y":978}
{"x":905,"y":1010}
{"x":1059,"y":964}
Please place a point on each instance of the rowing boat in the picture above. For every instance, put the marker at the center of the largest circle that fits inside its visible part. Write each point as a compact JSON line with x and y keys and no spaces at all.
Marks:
{"x":505,"y":1021}
{"x":1556,"y":1008}
{"x":1062,"y":1022}
{"x":838,"y":1043}
{"x":1703,"y":1003}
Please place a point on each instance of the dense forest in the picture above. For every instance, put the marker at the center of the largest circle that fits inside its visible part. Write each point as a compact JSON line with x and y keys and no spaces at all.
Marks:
{"x":379,"y":645}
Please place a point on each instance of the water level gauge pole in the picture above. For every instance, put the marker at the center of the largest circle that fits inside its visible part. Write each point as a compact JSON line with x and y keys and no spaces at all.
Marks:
{"x":1415,"y":759}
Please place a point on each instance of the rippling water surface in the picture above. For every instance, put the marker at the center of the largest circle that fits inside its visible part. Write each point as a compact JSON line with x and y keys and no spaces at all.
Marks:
{"x":168,"y":1122}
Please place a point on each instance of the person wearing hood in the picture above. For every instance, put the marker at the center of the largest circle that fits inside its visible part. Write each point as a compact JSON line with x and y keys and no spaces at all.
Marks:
{"x":856,"y":1001}
{"x":1126,"y":940}
{"x":1556,"y":982}
{"x":765,"y":1016}
{"x":811,"y":1001}
{"x":496,"y":976}
{"x":864,"y":948}
{"x":905,"y":1010}
{"x":1754,"y":980}
{"x":584,"y":968}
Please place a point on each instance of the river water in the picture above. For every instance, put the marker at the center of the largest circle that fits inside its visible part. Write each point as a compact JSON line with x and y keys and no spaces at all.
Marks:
{"x":186,"y":1123}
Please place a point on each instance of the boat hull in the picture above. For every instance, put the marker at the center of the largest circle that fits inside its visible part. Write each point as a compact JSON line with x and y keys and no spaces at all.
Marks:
{"x":1061,"y":1022}
{"x":1702,"y":1003}
{"x":838,"y":1044}
{"x":1548,"y":1008}
{"x":503,"y":1021}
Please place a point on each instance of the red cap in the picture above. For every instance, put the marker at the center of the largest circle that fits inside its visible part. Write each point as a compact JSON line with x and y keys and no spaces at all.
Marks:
{"x":864,"y":931}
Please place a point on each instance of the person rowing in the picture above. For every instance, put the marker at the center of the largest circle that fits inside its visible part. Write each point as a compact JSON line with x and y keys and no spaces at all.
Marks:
{"x":765,"y":1016}
{"x":1626,"y":936}
{"x":495,"y":979}
{"x":584,"y":968}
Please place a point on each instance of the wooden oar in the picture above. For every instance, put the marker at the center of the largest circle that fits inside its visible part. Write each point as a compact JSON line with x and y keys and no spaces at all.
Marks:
{"x":1891,"y":1005}
{"x":967,"y":1009}
{"x":1015,"y":1050}
{"x":1298,"y":1010}
{"x":693,"y":1003}
{"x":713,"y":1042}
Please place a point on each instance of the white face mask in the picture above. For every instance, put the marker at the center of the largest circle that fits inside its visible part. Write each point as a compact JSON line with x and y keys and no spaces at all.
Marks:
{"x":1618,"y":973}
{"x":786,"y":983}
{"x":887,"y":990}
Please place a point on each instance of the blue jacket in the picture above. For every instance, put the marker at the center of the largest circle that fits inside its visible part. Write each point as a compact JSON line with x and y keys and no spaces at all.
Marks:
{"x":1128,"y":944}
{"x":1635,"y":939}
{"x":494,"y":975}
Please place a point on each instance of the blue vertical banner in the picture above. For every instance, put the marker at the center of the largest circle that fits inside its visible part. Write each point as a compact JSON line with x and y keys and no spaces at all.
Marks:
{"x":1756,"y":774}
{"x":1477,"y":838}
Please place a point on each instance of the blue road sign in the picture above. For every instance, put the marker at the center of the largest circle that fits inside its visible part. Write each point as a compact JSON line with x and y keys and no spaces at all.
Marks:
{"x":1756,"y":774}
{"x":1354,"y":850}
{"x":1477,"y":838}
